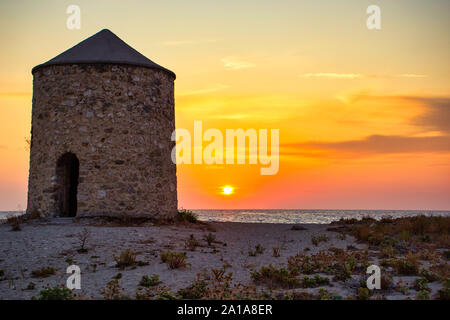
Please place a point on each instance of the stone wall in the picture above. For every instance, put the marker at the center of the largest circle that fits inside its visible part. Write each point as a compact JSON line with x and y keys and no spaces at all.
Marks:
{"x":118,"y":121}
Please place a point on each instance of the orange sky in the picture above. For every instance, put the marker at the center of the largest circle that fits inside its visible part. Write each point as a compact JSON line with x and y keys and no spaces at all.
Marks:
{"x":363,"y":115}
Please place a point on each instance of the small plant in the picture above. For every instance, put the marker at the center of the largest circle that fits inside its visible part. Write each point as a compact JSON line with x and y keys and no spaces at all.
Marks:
{"x":166,"y":295}
{"x":113,"y":291}
{"x":430,"y":276}
{"x":363,"y":293}
{"x":30,"y":286}
{"x":317,"y":240}
{"x":276,"y":252}
{"x":402,"y":288}
{"x":259,"y":249}
{"x":421,"y":284}
{"x":44,"y":272}
{"x":444,"y":293}
{"x":83,"y":237}
{"x":195,"y":291}
{"x":272,"y":276}
{"x":55,"y":293}
{"x":386,"y":282}
{"x":312,"y":282}
{"x":323,"y":294}
{"x":423,"y":295}
{"x":219,"y":274}
{"x":407,"y":266}
{"x":152,"y":281}
{"x":174,"y":260}
{"x":117,"y":276}
{"x":187,"y":215}
{"x":342,"y":273}
{"x":191,"y":243}
{"x":209,"y":238}
{"x":127,"y":258}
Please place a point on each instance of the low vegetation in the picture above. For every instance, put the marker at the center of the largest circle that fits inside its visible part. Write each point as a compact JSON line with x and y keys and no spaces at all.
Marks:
{"x":152,"y":281}
{"x":55,"y":293}
{"x":44,"y":272}
{"x":187,"y":216}
{"x":174,"y":260}
{"x":191,"y":243}
{"x":126,"y":259}
{"x":421,"y":231}
{"x":259,"y":249}
{"x":316,"y":281}
{"x":316,"y":240}
{"x":114,"y":291}
{"x":209,"y":238}
{"x":275,"y":277}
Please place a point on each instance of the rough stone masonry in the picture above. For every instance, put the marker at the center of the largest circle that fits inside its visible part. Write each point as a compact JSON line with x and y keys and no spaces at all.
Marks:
{"x":101,"y":134}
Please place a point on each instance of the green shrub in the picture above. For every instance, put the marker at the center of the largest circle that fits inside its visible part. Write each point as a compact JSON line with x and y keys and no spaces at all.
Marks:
{"x":195,"y":291}
{"x":407,"y":267}
{"x":174,"y":260}
{"x":423,"y":295}
{"x":323,"y":294}
{"x":152,"y":281}
{"x":430,"y":276}
{"x":166,"y":295}
{"x":363,"y":293}
{"x":312,"y":282}
{"x":187,"y":215}
{"x":272,"y":276}
{"x":421,"y":284}
{"x":113,"y":291}
{"x":55,"y":293}
{"x":127,"y":258}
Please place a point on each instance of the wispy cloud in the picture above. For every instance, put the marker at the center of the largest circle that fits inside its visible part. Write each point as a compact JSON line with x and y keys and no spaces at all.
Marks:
{"x":331,"y":75}
{"x":186,"y":42}
{"x":376,"y":144}
{"x":212,"y":89}
{"x":235,"y":63}
{"x":434,"y":117}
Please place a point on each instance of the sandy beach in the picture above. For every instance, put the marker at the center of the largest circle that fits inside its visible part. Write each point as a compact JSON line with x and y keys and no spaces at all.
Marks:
{"x":238,"y":248}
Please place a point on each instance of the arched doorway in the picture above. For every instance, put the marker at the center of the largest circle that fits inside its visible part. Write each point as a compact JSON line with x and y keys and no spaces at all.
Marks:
{"x":67,"y":169}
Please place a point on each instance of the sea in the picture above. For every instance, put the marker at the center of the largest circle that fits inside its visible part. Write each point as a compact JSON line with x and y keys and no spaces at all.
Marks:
{"x":292,"y":216}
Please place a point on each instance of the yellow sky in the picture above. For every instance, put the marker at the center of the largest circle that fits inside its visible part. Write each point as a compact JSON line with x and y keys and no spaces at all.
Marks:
{"x":363,"y":115}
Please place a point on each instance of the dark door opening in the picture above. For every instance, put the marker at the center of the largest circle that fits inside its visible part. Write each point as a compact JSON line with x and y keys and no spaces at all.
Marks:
{"x":67,"y":168}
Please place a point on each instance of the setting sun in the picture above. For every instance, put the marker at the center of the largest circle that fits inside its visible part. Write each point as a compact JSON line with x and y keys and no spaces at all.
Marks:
{"x":228,"y":190}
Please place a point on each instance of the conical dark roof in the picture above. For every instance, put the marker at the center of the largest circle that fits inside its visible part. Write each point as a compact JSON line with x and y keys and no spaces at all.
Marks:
{"x":102,"y":47}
